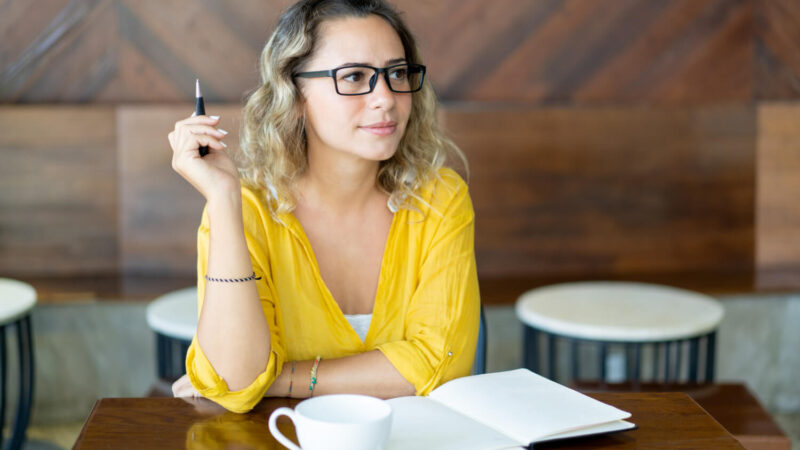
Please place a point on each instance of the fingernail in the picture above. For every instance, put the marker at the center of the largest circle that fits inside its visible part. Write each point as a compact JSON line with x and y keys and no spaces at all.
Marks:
{"x":222,"y":131}
{"x":194,"y":114}
{"x":214,"y":117}
{"x":223,"y":144}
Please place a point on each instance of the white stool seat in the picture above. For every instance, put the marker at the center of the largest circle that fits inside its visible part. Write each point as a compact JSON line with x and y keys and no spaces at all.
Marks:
{"x":16,"y":300}
{"x":174,"y":314}
{"x":619,"y":311}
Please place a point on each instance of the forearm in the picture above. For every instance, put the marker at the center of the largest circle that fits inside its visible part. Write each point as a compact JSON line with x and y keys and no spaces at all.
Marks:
{"x":369,"y":373}
{"x":232,"y":329}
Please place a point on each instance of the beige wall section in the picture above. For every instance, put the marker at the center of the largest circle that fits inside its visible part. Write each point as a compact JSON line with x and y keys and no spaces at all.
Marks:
{"x":778,"y":196}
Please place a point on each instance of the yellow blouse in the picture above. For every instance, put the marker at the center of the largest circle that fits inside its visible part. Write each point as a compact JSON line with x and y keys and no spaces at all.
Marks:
{"x":426,"y":313}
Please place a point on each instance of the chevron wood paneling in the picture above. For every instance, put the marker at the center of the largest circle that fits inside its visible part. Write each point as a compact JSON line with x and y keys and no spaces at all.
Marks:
{"x":778,"y":50}
{"x":532,"y":52}
{"x":131,"y":51}
{"x":587,"y":51}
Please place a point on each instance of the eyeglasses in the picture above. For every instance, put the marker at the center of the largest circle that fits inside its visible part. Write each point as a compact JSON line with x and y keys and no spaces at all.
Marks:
{"x":360,"y":80}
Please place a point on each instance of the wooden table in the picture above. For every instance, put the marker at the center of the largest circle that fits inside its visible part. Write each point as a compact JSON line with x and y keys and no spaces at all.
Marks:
{"x":153,"y":423}
{"x":730,"y":404}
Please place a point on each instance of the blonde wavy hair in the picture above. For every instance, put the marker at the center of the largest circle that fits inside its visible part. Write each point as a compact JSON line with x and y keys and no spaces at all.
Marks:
{"x":272,"y":153}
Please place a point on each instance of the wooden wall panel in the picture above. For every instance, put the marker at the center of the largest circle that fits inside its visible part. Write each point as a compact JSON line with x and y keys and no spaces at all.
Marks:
{"x":587,"y":51}
{"x":58,"y":191}
{"x":534,"y":52}
{"x":778,"y":216}
{"x":559,"y":193}
{"x":778,"y":50}
{"x":132,"y":50}
{"x":610,"y":191}
{"x":159,"y":210}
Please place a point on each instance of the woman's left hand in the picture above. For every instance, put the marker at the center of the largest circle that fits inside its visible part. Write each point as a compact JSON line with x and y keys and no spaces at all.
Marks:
{"x":183,"y":388}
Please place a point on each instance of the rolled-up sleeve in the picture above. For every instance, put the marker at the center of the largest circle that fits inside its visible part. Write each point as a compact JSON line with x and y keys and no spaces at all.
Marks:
{"x":201,"y":372}
{"x":443,"y":315}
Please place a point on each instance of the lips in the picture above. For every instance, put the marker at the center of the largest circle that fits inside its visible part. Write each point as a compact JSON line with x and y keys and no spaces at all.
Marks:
{"x":381,"y":128}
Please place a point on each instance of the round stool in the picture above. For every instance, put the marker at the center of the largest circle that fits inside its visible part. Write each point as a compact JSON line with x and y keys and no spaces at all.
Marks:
{"x":173,"y":317}
{"x":623,"y":316}
{"x":17,"y":299}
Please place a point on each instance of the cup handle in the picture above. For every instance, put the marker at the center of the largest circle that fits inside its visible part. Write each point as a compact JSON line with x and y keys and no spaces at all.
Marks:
{"x":273,"y":426}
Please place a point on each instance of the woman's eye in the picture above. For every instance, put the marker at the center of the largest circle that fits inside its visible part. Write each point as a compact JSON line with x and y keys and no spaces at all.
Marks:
{"x":352,"y":76}
{"x":399,"y":74}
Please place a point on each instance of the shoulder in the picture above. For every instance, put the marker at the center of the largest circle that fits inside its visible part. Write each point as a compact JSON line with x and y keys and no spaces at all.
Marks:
{"x":446,"y":194}
{"x":255,"y":209}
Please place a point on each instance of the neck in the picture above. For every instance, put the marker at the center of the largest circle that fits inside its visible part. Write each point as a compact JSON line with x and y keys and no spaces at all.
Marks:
{"x":338,"y":183}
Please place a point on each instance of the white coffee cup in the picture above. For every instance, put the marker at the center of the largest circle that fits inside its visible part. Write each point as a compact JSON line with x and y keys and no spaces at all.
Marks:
{"x":338,"y":421}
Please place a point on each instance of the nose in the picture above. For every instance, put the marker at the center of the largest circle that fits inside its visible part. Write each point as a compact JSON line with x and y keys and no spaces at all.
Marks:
{"x":381,"y":96}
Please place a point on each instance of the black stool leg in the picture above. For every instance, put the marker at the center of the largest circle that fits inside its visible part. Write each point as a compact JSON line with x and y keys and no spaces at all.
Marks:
{"x":551,"y":355}
{"x":161,"y":355}
{"x":602,"y":361}
{"x":2,"y":382}
{"x":636,"y":362}
{"x":185,"y":349}
{"x":711,"y":341}
{"x":670,"y":361}
{"x":694,"y":343}
{"x":531,"y":349}
{"x":26,"y":370}
{"x":654,"y":377}
{"x":575,"y":359}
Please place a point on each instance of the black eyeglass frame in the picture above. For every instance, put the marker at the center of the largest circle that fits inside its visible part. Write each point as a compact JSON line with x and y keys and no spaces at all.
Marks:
{"x":373,"y":81}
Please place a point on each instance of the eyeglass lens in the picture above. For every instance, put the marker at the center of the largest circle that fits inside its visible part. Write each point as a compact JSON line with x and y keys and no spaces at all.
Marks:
{"x":356,"y":80}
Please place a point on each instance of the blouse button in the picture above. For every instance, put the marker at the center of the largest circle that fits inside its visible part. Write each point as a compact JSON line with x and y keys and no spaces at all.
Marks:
{"x":449,"y":353}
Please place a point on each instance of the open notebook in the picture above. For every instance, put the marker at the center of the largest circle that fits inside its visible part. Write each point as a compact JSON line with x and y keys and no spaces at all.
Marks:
{"x":497,"y":411}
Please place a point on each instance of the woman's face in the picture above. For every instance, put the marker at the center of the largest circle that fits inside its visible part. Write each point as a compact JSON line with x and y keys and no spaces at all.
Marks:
{"x":355,"y":125}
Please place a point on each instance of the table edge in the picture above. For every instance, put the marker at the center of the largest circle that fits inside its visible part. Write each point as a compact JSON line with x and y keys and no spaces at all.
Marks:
{"x":86,"y":423}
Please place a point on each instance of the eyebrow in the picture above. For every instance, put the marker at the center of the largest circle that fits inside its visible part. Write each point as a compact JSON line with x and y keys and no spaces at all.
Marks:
{"x":389,"y":62}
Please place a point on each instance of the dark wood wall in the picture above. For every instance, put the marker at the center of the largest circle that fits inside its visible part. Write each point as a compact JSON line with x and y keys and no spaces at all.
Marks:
{"x":623,"y":139}
{"x":540,"y":52}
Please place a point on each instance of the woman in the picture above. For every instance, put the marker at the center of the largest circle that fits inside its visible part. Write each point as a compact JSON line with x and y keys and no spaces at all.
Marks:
{"x":339,"y":256}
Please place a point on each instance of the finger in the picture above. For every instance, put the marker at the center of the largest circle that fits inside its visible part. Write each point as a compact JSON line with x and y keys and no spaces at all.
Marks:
{"x":182,"y":382}
{"x":193,"y":119}
{"x":207,"y":130}
{"x":176,"y":387}
{"x":210,"y":142}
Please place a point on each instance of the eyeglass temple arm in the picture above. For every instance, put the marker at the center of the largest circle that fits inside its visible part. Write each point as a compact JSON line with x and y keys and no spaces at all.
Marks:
{"x":317,"y":74}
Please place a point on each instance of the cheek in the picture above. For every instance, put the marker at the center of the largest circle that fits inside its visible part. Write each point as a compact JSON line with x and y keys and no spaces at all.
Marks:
{"x":330,"y":117}
{"x":404,"y":109}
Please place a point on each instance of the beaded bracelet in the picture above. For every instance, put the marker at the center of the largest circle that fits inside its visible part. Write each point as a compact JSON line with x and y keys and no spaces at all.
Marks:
{"x":233,"y":280}
{"x":314,"y":375}
{"x":291,"y":378}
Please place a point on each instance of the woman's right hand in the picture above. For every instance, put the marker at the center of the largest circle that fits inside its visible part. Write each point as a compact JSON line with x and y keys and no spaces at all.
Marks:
{"x":212,"y":175}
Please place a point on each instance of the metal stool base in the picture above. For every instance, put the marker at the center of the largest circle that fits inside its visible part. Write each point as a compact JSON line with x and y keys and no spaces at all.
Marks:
{"x":666,"y":359}
{"x":26,"y":371}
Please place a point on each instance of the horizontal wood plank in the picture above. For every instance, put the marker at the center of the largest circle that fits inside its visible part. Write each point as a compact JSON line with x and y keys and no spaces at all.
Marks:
{"x":610,"y":191}
{"x":159,"y":210}
{"x":58,"y":190}
{"x":778,"y":218}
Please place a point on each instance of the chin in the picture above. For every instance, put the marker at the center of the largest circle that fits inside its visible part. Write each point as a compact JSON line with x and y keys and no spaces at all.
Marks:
{"x":378,"y":154}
